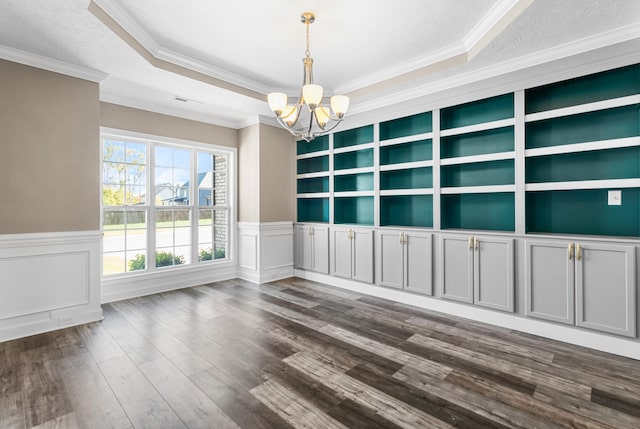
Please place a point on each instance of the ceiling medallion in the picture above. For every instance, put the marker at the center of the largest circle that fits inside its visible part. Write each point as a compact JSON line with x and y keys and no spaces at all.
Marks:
{"x":308,"y":118}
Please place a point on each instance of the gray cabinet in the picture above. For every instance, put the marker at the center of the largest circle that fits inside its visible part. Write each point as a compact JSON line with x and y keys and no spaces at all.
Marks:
{"x":403,"y":260}
{"x":591,"y":285}
{"x":352,"y":253}
{"x":312,"y":248}
{"x":478,"y":270}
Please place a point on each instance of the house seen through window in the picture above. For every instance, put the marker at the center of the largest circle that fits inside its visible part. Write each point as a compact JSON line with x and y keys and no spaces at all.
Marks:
{"x":162,"y":205}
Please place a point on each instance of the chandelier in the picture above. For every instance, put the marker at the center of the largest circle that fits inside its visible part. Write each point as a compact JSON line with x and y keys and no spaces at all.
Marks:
{"x":308,"y":118}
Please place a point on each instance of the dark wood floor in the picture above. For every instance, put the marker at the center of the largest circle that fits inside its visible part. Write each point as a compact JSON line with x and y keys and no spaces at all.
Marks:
{"x":300,"y":354}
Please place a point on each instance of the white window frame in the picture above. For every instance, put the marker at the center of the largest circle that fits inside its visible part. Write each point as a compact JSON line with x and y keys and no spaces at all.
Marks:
{"x":194,"y":265}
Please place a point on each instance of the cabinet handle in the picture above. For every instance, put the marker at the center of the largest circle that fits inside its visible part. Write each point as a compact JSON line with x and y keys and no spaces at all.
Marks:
{"x":350,"y":234}
{"x":579,"y":251}
{"x":475,"y":242}
{"x":401,"y":237}
{"x":570,"y":250}
{"x":470,"y":243}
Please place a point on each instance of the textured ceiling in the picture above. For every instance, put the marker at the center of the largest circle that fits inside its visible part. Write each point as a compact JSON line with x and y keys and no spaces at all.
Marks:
{"x":368,"y":48}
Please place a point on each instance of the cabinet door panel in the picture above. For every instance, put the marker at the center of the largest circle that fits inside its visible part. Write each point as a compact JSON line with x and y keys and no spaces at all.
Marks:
{"x":456,"y":268}
{"x":389,"y":264}
{"x":493,"y":276}
{"x":302,"y":255}
{"x":605,"y":288}
{"x":550,"y":277}
{"x":321,"y":249}
{"x":418,"y":263}
{"x":362,"y":269}
{"x":341,"y":253}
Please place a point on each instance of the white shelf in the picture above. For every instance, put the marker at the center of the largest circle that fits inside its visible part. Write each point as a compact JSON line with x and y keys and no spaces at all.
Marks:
{"x":311,"y":175}
{"x":478,"y":189}
{"x":393,"y":192}
{"x":478,"y":127}
{"x":478,"y":158}
{"x":584,"y":147}
{"x":352,"y":171}
{"x":406,"y":165}
{"x":313,"y":154}
{"x":407,"y":139}
{"x":353,"y":194}
{"x":583,"y":184}
{"x":353,"y":148}
{"x":314,"y":195}
{"x":583,"y":108}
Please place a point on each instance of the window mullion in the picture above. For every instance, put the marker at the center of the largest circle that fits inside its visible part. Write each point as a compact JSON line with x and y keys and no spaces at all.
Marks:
{"x":151,"y":221}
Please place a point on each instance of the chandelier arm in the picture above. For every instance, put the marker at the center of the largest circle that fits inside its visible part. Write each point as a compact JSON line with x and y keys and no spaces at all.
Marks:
{"x":337,"y":122}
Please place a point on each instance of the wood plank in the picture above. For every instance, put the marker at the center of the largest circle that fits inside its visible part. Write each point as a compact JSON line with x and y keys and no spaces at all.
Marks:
{"x":193,"y":407}
{"x":391,"y":408}
{"x":295,"y":410}
{"x":11,"y":412}
{"x":144,"y":406}
{"x":93,"y":402}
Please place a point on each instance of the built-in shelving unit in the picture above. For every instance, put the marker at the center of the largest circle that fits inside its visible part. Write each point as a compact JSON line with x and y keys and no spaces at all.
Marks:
{"x":578,"y":140}
{"x":582,"y":140}
{"x":477,"y":173}
{"x":313,"y":180}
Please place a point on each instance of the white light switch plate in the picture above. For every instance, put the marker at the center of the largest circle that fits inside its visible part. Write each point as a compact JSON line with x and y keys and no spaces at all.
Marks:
{"x":615,"y":198}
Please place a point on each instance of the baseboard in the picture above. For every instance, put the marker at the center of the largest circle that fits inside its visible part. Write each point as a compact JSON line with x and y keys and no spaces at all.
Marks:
{"x":607,"y":343}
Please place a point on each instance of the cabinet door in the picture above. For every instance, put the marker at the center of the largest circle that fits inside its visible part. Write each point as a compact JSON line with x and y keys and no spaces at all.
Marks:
{"x":417,"y":255}
{"x":549,"y":284}
{"x":493,"y":273}
{"x":362,"y":269}
{"x":321,"y":249}
{"x":389,"y":259}
{"x":303,"y":251}
{"x":341,"y":253}
{"x":456,"y":268}
{"x":605,"y":288}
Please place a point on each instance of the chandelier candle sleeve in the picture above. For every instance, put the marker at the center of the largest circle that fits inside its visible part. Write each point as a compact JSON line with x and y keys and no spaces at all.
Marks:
{"x":314,"y":119}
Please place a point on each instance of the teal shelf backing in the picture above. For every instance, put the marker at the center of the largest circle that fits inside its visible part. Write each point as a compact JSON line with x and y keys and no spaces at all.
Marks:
{"x":313,"y":185}
{"x":621,"y":163}
{"x":313,"y":165}
{"x":316,"y":145}
{"x":411,"y":178}
{"x":356,"y":159}
{"x":313,"y":210}
{"x":583,"y":212}
{"x":421,"y":150}
{"x":353,"y":210}
{"x":353,"y":182}
{"x":353,"y":137}
{"x":615,"y":83}
{"x":478,"y":143}
{"x":407,"y":126}
{"x":406,"y":210}
{"x":477,"y":112}
{"x":585,"y":127}
{"x":491,"y":212}
{"x":499,"y":172}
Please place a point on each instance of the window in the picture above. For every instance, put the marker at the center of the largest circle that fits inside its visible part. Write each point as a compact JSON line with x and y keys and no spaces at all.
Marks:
{"x":164,"y":203}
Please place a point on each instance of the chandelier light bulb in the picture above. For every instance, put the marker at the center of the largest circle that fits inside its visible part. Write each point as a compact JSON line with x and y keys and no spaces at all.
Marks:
{"x":322,"y":115}
{"x":312,"y":95}
{"x":277,"y":102}
{"x":339,"y":105}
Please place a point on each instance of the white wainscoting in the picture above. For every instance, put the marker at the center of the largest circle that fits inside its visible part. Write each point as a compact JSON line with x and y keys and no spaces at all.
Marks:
{"x":48,"y":281}
{"x":265,"y":251}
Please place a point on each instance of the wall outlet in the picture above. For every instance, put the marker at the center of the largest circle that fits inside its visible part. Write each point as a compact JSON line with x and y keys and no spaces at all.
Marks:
{"x":615,"y":198}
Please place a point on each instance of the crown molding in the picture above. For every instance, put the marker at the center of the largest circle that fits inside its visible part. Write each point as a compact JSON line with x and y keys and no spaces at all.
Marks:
{"x":486,"y":29}
{"x":112,"y":98}
{"x":51,"y":64}
{"x":567,"y":50}
{"x":258,"y":119}
{"x":135,"y":30}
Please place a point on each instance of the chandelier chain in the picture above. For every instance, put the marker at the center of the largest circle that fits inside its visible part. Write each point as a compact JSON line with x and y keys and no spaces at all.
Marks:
{"x":307,"y":52}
